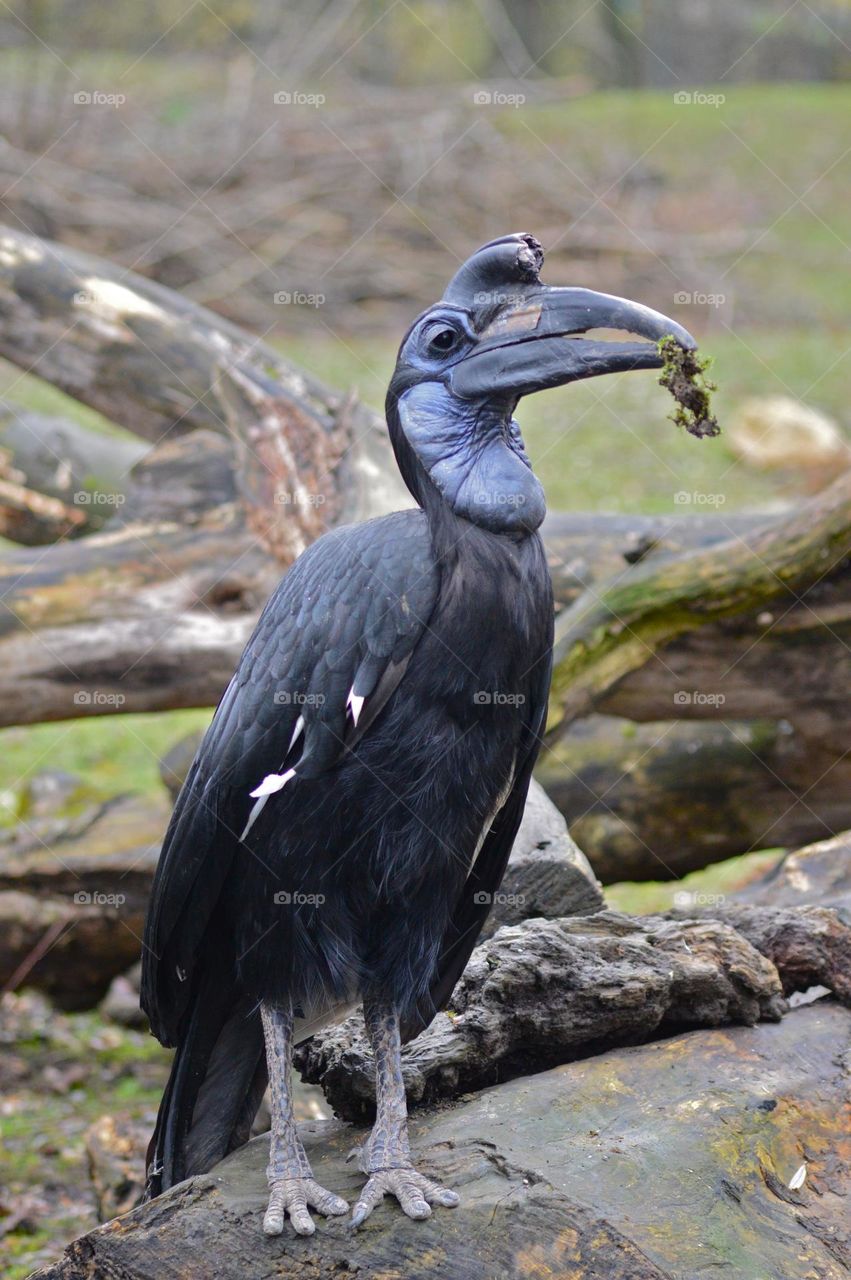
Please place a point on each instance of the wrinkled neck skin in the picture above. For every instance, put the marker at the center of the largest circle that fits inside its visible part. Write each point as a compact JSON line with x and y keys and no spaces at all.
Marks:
{"x":465,"y":464}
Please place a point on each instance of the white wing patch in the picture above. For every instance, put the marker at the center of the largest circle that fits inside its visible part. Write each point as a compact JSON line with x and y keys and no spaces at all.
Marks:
{"x":355,"y":705}
{"x":271,"y":783}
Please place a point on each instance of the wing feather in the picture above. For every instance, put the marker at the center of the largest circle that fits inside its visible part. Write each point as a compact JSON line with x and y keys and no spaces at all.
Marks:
{"x":346,"y":617}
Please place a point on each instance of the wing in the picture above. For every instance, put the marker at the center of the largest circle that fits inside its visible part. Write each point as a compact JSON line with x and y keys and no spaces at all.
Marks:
{"x":329,"y":649}
{"x":474,"y":903}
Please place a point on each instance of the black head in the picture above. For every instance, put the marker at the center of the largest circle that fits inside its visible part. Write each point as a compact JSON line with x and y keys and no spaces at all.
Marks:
{"x":498,"y":334}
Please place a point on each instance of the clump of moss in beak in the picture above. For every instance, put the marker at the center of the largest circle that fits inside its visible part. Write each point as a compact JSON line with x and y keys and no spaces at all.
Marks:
{"x":684,"y":375}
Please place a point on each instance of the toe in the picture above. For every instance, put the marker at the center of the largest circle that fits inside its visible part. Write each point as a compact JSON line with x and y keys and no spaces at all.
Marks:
{"x":436,"y":1194}
{"x":326,"y":1202}
{"x":302,"y":1222}
{"x":372,"y":1194}
{"x":408,"y":1189}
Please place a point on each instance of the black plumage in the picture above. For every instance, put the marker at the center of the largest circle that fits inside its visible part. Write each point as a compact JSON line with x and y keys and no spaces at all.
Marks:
{"x":394,"y":693}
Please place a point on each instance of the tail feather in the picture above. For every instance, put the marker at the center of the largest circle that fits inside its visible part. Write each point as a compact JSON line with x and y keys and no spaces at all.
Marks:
{"x":217,"y":1082}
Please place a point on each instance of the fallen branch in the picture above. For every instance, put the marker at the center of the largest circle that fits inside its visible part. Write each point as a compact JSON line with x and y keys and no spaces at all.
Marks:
{"x":547,"y":991}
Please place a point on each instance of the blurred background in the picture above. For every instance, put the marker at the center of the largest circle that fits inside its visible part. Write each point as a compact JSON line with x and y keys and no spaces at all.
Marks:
{"x":314,"y":173}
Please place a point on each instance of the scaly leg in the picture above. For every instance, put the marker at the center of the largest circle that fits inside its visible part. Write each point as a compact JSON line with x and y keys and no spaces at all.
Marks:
{"x":386,"y":1155}
{"x":292,"y":1186}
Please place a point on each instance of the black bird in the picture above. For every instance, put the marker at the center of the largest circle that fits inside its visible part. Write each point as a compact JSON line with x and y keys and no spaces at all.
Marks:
{"x":352,"y":806}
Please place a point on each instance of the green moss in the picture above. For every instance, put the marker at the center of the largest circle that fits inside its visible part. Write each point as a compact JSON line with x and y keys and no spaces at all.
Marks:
{"x":684,"y":375}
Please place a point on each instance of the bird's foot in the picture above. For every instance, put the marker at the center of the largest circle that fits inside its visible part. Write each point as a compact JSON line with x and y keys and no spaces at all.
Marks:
{"x":415,"y":1192}
{"x":292,"y":1196}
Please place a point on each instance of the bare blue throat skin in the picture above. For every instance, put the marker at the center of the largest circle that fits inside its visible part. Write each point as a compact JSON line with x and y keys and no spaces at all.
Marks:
{"x":473,"y":453}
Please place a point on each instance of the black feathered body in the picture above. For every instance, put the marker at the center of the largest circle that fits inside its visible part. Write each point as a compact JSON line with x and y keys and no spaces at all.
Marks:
{"x":359,"y":876}
{"x":350,"y":879}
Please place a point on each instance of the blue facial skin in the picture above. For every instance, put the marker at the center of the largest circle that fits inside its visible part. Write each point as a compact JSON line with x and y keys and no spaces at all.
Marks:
{"x":473,"y":452}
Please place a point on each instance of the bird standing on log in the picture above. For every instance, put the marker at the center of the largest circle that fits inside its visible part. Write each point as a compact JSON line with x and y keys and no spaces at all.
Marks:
{"x":351,"y":809}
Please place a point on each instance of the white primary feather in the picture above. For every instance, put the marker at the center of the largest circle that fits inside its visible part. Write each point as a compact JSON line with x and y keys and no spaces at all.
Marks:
{"x":271,"y":783}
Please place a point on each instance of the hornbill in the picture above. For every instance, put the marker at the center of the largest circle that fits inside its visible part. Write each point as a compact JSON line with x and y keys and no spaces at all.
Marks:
{"x":350,"y":811}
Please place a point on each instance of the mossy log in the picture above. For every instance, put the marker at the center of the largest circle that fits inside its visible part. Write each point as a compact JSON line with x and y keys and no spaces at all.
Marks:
{"x":657,"y":800}
{"x":622,"y":625}
{"x":662,"y":1162}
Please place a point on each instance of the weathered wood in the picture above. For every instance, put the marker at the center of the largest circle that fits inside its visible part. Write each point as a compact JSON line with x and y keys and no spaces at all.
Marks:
{"x":809,"y":946}
{"x":80,"y":475}
{"x":653,"y":1163}
{"x":655,"y":801}
{"x":819,"y":874}
{"x":82,"y":887}
{"x":546,"y":991}
{"x":621,"y":625}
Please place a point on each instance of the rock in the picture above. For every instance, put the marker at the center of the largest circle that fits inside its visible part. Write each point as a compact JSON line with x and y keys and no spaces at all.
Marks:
{"x":548,"y":874}
{"x":722,"y":1151}
{"x":777,"y":431}
{"x":121,"y":1002}
{"x":175,"y":764}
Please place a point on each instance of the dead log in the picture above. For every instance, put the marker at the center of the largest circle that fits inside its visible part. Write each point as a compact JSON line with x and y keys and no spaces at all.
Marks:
{"x":73,"y":898}
{"x":544,"y":992}
{"x":819,"y":874}
{"x":656,"y":800}
{"x":620,"y":625}
{"x":641,"y":1164}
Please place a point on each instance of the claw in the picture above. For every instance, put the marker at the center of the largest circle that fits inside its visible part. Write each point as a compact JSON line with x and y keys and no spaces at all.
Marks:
{"x":293,"y":1195}
{"x":415,"y":1193}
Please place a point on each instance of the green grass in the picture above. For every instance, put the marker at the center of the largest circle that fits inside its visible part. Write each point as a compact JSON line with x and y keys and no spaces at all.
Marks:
{"x":709,"y":886}
{"x":113,"y":754}
{"x":42,"y":1149}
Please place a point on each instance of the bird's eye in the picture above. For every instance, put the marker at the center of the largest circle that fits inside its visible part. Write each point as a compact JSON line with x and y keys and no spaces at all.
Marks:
{"x":442,"y":340}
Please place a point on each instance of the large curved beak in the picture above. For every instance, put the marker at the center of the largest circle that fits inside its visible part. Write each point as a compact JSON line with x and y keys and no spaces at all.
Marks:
{"x":532,"y":343}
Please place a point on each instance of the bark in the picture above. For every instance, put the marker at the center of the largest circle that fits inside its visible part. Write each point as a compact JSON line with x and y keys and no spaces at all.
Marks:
{"x":653,"y":1163}
{"x":544,"y":992}
{"x":73,"y":898}
{"x":621,"y":625}
{"x":69,"y":479}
